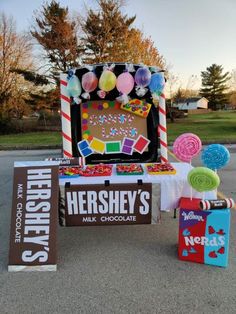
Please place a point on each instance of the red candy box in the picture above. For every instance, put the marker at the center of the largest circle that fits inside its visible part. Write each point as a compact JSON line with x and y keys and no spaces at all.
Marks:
{"x":97,"y":170}
{"x":157,"y":168}
{"x":129,"y":169}
{"x":70,"y":172}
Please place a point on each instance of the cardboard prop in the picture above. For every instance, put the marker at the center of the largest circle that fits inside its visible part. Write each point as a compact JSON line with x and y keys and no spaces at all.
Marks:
{"x":204,"y":235}
{"x":113,"y":204}
{"x":101,"y":122}
{"x":34,"y":217}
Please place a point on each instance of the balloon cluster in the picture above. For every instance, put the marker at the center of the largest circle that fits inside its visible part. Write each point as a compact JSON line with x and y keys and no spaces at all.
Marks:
{"x":143,"y":78}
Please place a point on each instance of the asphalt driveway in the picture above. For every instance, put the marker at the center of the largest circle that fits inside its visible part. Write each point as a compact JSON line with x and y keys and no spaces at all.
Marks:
{"x":116,"y":269}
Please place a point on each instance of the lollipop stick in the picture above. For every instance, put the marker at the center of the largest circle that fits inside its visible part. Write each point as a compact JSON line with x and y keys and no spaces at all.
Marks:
{"x":216,"y":188}
{"x":191,"y":193}
{"x":203,"y":195}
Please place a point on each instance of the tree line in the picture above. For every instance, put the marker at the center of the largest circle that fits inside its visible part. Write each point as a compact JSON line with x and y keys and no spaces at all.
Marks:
{"x":64,"y":41}
{"x":104,"y":34}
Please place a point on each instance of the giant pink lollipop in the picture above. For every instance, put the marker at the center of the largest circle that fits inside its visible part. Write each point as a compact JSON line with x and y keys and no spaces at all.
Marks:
{"x":187,"y":146}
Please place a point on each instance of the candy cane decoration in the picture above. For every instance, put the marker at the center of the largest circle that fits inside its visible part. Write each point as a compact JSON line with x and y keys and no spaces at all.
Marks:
{"x":162,"y":128}
{"x":65,"y":118}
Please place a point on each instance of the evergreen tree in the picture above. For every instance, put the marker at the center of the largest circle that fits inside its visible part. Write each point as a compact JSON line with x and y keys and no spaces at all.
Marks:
{"x":214,"y":86}
{"x":105,"y":32}
{"x":109,"y":36}
{"x":56,"y":33}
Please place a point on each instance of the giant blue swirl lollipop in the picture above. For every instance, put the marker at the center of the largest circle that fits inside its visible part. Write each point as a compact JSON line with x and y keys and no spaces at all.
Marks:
{"x":215,"y":156}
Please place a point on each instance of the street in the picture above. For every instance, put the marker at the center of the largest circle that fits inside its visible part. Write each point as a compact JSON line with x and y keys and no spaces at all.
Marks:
{"x":116,"y":269}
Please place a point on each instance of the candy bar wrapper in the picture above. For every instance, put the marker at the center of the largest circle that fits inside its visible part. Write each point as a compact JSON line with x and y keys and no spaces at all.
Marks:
{"x":204,"y":236}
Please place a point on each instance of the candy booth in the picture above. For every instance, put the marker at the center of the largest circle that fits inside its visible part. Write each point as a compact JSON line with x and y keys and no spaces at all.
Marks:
{"x":114,"y":169}
{"x":113,"y":118}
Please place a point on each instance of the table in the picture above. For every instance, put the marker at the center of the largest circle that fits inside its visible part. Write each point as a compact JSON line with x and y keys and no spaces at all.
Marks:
{"x":166,"y":189}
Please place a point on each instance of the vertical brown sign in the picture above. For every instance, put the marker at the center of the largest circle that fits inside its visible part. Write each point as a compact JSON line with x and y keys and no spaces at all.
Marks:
{"x":116,"y":204}
{"x":34,"y":218}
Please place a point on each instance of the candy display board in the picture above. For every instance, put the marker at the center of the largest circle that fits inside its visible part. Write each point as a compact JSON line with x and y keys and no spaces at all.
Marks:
{"x":96,"y":123}
{"x":204,"y":236}
{"x":105,"y":121}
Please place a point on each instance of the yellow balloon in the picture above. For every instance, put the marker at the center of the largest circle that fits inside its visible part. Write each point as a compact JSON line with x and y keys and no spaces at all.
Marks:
{"x":107,"y":81}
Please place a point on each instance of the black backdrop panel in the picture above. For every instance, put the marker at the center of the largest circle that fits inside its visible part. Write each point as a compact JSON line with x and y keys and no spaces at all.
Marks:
{"x":152,"y":123}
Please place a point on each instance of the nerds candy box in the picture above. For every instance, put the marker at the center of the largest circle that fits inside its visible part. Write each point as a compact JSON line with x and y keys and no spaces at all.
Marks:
{"x":204,"y":236}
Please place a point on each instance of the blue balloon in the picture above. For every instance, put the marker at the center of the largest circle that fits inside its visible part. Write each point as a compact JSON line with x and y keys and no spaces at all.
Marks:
{"x":215,"y":156}
{"x":74,"y":86}
{"x":157,"y":83}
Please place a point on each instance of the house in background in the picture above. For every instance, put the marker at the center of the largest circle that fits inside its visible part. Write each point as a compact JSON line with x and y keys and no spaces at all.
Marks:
{"x":192,"y":103}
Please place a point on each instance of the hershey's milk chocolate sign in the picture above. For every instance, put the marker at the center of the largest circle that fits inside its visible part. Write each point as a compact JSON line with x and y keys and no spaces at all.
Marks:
{"x":97,"y":204}
{"x":34,"y":216}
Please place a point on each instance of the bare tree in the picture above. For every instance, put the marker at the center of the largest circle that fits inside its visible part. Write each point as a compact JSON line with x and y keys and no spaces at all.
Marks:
{"x":15,"y":53}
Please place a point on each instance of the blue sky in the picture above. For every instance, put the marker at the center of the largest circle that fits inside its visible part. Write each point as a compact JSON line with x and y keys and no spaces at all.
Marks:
{"x":190,"y":34}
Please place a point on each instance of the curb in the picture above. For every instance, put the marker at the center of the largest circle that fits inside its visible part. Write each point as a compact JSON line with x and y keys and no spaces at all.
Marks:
{"x":34,"y":147}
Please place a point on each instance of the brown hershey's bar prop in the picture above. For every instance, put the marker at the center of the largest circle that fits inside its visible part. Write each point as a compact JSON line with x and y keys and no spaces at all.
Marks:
{"x":108,"y":204}
{"x":34,"y":217}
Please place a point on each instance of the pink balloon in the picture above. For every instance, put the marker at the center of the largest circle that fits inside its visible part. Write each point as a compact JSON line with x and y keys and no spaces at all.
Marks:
{"x":187,"y":146}
{"x":89,"y":82}
{"x":125,"y":83}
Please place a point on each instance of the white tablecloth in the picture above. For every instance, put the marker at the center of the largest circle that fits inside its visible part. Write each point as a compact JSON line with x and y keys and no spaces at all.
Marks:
{"x":173,"y":187}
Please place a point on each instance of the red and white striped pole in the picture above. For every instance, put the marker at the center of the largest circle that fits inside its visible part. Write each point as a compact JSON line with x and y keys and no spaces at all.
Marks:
{"x":65,"y":118}
{"x":162,"y":128}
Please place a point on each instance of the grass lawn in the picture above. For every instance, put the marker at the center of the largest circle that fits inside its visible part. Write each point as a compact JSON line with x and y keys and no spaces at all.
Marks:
{"x":213,"y":126}
{"x":31,"y":139}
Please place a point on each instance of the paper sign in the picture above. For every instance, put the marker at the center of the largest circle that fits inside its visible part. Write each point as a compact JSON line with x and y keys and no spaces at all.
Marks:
{"x":113,"y":147}
{"x":141,"y":144}
{"x":116,"y":204}
{"x":127,"y":146}
{"x":84,"y":148}
{"x":97,"y":145}
{"x":34,"y":218}
{"x":68,"y":161}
